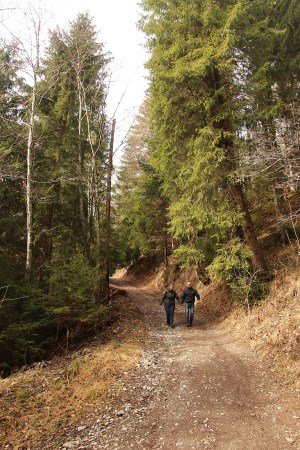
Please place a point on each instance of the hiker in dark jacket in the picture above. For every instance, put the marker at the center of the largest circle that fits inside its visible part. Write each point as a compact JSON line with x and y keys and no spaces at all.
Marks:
{"x":188,"y":298}
{"x":168,"y":299}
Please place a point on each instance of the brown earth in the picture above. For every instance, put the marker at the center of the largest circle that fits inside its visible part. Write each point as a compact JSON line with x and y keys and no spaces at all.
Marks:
{"x":188,"y":388}
{"x":194,"y":388}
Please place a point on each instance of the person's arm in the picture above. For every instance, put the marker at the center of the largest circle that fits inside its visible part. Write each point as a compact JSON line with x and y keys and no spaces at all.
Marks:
{"x":178,"y":298}
{"x":197,"y":295}
{"x":163,"y":298}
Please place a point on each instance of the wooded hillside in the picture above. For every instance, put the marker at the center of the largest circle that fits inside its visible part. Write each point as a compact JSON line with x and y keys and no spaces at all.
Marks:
{"x":218,"y":183}
{"x":210,"y":173}
{"x":54,"y":150}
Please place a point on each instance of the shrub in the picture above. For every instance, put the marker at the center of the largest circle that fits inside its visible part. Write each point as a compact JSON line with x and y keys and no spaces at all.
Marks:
{"x":72,"y":293}
{"x":27,"y":327}
{"x":233,"y":265}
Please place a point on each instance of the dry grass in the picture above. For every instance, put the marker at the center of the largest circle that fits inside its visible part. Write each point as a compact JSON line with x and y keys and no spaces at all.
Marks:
{"x":45,"y":398}
{"x":274,"y":326}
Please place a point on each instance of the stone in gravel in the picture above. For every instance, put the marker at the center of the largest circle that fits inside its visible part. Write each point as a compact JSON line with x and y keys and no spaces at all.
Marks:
{"x":81,"y":428}
{"x":70,"y":444}
{"x":120,"y":413}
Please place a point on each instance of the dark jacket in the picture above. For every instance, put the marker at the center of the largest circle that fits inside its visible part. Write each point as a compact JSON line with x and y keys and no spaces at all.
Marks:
{"x":189,"y":295}
{"x":169,"y":297}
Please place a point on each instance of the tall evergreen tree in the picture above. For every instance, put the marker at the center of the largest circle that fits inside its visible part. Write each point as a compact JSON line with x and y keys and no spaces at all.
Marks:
{"x":195,"y":114}
{"x":75,"y":121}
{"x":67,"y":137}
{"x":139,"y":204}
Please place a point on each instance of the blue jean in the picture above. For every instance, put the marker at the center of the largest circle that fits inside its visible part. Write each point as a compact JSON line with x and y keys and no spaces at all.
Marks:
{"x":170,"y":313}
{"x":189,"y":313}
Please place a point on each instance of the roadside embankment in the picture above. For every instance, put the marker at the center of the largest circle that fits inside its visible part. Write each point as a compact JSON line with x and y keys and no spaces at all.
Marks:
{"x":52,"y":396}
{"x":273,"y":326}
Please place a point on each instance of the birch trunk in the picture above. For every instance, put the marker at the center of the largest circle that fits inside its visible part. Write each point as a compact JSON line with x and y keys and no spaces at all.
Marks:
{"x":29,"y":157}
{"x":108,"y":212}
{"x":29,"y":221}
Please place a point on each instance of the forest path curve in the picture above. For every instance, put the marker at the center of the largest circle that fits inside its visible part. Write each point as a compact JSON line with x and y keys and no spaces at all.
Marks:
{"x":196,"y":388}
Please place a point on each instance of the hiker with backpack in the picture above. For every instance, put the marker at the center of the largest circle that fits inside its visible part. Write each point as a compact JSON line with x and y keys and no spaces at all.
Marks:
{"x":168,"y":299}
{"x":188,"y":298}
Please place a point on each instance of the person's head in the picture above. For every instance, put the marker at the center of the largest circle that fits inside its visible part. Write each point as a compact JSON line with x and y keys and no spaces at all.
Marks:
{"x":171,"y":287}
{"x":189,"y":284}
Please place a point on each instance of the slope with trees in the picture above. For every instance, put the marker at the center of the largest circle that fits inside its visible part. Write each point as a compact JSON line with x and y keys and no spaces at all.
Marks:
{"x":209,"y":175}
{"x":53,"y":178}
{"x":223,"y":140}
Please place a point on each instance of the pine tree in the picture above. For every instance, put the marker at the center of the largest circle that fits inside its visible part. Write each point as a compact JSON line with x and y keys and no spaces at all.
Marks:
{"x":68,"y":145}
{"x":139,"y":204}
{"x":195,"y":109}
{"x":12,"y":110}
{"x":74,"y":131}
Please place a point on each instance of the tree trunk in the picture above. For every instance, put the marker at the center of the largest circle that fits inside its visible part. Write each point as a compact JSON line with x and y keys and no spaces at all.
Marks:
{"x":258,"y":258}
{"x":271,"y":139}
{"x":82,"y":213}
{"x":47,"y":243}
{"x":28,"y":266}
{"x":97,"y":218}
{"x":35,"y":64}
{"x":166,"y":243}
{"x":226,"y":142}
{"x":108,"y":213}
{"x":166,"y":250}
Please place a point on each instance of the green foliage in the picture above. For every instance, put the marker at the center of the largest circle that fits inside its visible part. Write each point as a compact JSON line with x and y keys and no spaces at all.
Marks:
{"x":147,"y":215}
{"x":140,"y":206}
{"x":72,"y":287}
{"x":70,"y":136}
{"x":213,"y":142}
{"x":231,"y":262}
{"x":192,"y":120}
{"x":188,"y":256}
{"x":27,"y":327}
{"x":233,"y":265}
{"x":215,"y":73}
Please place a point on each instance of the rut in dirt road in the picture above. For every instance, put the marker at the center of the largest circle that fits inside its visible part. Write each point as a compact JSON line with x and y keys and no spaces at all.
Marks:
{"x":196,"y":388}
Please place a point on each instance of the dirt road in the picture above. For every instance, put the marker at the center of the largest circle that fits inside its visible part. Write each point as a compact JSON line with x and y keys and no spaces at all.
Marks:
{"x":195,"y":388}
